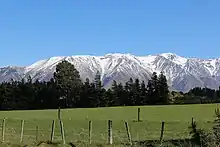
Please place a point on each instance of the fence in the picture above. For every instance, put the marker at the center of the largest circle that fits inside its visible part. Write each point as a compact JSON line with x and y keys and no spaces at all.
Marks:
{"x":92,"y":131}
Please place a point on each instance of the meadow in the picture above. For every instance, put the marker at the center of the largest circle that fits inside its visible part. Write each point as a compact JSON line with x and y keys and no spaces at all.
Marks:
{"x":177,"y":119}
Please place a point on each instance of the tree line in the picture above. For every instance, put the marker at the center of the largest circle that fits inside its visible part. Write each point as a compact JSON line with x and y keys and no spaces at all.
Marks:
{"x":67,"y":90}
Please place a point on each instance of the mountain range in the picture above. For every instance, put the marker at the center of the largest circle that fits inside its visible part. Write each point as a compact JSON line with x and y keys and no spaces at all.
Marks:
{"x":182,"y":73}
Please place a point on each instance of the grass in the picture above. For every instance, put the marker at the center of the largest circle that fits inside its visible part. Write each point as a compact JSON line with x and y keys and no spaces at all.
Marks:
{"x":177,"y":119}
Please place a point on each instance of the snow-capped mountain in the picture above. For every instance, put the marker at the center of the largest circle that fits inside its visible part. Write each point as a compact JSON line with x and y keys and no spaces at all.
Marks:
{"x":182,"y":73}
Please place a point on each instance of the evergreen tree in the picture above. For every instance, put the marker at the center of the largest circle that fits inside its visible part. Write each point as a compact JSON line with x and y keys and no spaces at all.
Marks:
{"x":150,"y":92}
{"x":51,"y":95}
{"x":152,"y":89}
{"x":100,"y":91}
{"x":126,"y":94}
{"x":143,"y":94}
{"x":155,"y":87}
{"x":103,"y":100}
{"x":93,"y":96}
{"x":85,"y":99}
{"x":68,"y":82}
{"x":98,"y":83}
{"x":131,"y":98}
{"x":114,"y":89}
{"x":110,"y":98}
{"x":136,"y":91}
{"x":163,"y":89}
{"x":120,"y":94}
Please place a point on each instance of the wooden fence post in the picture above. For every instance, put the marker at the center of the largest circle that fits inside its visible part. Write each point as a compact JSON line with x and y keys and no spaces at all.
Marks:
{"x":138,"y":139}
{"x":128,"y":133}
{"x":110,"y":139}
{"x":138,"y":114}
{"x":52,"y":131}
{"x":22,"y":131}
{"x":62,"y":132}
{"x":3,"y":130}
{"x":37,"y":130}
{"x":162,"y":131}
{"x":90,"y":132}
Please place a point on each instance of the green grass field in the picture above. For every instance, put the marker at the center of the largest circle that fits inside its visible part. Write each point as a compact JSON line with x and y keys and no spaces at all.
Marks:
{"x":177,"y":119}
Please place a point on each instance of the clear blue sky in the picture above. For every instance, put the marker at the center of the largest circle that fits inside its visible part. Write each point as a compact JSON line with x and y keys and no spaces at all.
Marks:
{"x":31,"y":30}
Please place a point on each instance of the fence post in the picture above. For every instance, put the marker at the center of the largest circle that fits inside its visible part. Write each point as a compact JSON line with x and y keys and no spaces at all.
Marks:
{"x":52,"y":131}
{"x":138,"y":139}
{"x":37,"y":128}
{"x":62,"y":132}
{"x":22,"y":130}
{"x":90,"y":132}
{"x":162,"y":131}
{"x":110,"y":139}
{"x":128,"y":133}
{"x":138,"y":113}
{"x":3,"y":130}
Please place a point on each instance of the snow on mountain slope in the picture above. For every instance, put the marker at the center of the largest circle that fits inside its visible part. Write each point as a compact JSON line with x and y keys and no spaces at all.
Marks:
{"x":175,"y":58}
{"x":182,"y":73}
{"x":11,"y":72}
{"x":121,"y":67}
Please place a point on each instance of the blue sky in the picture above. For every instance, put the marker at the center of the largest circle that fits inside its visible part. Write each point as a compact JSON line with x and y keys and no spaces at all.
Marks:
{"x":31,"y":30}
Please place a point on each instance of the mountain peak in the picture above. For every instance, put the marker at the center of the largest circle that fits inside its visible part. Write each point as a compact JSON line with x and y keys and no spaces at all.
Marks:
{"x":167,"y":54}
{"x":118,"y":54}
{"x":170,"y":56}
{"x":175,"y":58}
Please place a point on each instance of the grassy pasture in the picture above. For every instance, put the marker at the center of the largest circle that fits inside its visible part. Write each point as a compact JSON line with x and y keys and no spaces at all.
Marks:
{"x":177,"y":119}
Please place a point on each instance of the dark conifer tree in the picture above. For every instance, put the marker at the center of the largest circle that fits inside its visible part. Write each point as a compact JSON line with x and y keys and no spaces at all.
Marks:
{"x":126,"y":94}
{"x":110,"y":99}
{"x":136,"y":91}
{"x":114,"y":89}
{"x":120,"y":95}
{"x":92,"y":95}
{"x":85,"y":99}
{"x":100,"y":91}
{"x":68,"y":82}
{"x":98,"y":83}
{"x":152,"y":89}
{"x":131,"y":98}
{"x":150,"y":92}
{"x":163,"y":89}
{"x":143,"y":94}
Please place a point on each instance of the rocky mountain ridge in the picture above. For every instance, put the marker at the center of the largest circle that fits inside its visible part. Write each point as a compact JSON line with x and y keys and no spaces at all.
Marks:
{"x":182,"y":73}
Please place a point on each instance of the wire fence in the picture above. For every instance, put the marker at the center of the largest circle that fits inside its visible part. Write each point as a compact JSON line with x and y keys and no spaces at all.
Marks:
{"x":78,"y":130}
